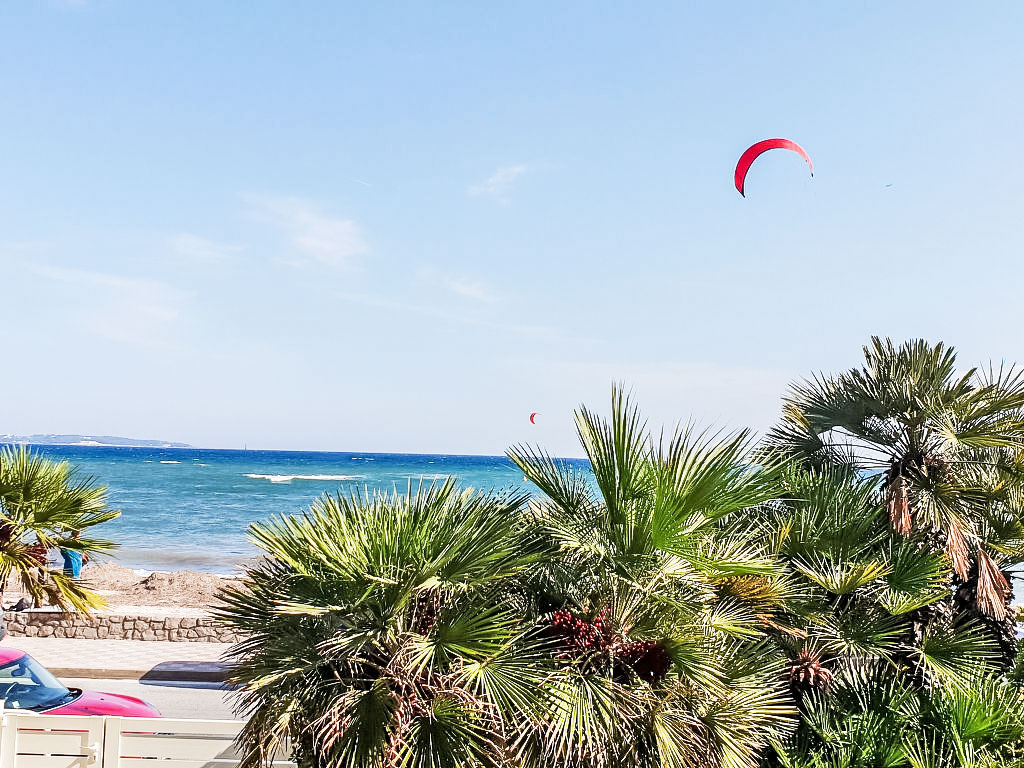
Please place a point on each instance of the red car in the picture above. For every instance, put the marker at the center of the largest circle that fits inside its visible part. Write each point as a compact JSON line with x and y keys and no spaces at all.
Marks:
{"x":27,"y":684}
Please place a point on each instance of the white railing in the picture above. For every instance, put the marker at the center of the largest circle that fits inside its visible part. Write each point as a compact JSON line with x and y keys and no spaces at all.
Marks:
{"x":28,"y":740}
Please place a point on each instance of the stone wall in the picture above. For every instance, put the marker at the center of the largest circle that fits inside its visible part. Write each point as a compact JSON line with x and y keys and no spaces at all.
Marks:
{"x":49,"y":623}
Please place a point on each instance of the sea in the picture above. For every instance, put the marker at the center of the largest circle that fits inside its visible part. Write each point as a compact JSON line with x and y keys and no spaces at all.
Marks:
{"x":188,"y":508}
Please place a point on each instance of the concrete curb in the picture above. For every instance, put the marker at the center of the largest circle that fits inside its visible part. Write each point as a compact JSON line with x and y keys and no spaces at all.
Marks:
{"x":171,"y":671}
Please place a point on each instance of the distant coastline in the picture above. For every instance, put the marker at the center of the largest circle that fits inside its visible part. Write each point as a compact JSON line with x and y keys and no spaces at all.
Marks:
{"x":90,"y":440}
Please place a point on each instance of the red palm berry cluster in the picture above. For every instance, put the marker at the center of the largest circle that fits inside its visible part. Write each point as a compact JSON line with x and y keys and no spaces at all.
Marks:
{"x":581,"y":636}
{"x":648,"y":659}
{"x":597,"y":641}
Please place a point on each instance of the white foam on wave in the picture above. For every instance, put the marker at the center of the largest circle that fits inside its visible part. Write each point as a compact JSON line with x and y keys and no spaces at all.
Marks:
{"x":170,"y":462}
{"x":289,"y":478}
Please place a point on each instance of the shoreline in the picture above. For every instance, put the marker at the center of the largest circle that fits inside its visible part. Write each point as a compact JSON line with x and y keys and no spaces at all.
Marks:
{"x":141,"y":591}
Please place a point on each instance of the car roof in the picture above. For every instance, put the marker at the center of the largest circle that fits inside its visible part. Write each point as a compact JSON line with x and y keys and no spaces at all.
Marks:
{"x":9,"y":654}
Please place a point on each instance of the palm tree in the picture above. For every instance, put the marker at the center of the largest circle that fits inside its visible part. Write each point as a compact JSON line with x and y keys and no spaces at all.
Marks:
{"x":42,"y":504}
{"x":652,"y":601}
{"x":388,"y":630}
{"x":946,"y":451}
{"x":859,"y":657}
{"x":862,"y":588}
{"x":450,"y":628}
{"x":877,"y":720}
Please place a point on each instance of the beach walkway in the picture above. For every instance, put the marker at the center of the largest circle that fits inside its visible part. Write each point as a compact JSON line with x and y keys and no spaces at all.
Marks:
{"x":125,"y":659}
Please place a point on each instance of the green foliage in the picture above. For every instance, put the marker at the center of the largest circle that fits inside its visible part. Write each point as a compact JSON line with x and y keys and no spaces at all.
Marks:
{"x":831,"y":598}
{"x":874,"y":720}
{"x":389,"y":630}
{"x":648,"y":544}
{"x":903,"y":508}
{"x":42,"y":503}
{"x":944,"y":448}
{"x":859,"y":584}
{"x":444,"y":627}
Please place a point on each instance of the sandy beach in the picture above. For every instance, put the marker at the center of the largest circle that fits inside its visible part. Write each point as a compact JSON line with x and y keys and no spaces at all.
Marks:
{"x":130,"y":591}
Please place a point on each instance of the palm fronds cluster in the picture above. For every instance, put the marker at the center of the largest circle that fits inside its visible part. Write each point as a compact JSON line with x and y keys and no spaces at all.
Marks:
{"x":835,"y":596}
{"x":42,"y":504}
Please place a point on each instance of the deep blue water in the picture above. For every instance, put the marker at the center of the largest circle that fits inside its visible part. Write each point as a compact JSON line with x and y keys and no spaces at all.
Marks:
{"x":189,"y":508}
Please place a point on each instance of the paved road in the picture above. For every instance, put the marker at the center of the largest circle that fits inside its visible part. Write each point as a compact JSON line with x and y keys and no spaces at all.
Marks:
{"x":196,"y":700}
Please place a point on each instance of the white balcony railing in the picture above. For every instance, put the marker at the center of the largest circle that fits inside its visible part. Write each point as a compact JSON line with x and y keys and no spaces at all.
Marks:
{"x":29,"y":740}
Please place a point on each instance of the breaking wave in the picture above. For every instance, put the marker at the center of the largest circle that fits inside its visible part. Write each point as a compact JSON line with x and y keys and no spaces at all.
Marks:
{"x":289,"y":478}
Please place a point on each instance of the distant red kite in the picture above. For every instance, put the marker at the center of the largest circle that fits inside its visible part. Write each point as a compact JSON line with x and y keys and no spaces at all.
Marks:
{"x":535,"y":413}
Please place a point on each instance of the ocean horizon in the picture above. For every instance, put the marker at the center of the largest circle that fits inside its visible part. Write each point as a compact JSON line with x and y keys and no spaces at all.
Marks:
{"x":189,"y":508}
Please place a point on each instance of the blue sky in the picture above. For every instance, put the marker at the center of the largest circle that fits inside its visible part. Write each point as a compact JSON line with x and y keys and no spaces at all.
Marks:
{"x":405,"y":227}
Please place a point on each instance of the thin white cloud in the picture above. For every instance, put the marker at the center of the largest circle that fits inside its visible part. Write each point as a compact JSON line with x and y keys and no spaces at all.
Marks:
{"x":472,"y":289}
{"x":447,"y":311}
{"x":312,"y":234}
{"x":196,"y":248}
{"x":130,"y":310}
{"x":464,"y":286}
{"x":498,"y":184}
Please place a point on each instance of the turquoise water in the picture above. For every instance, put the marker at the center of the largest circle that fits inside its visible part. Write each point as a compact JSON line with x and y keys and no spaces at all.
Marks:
{"x":189,"y":508}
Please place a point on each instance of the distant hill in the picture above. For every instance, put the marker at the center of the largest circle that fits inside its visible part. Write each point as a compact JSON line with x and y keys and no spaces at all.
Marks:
{"x":120,"y":442}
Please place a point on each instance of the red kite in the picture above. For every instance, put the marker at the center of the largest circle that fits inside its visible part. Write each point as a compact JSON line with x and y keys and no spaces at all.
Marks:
{"x":755,"y":151}
{"x":535,"y":413}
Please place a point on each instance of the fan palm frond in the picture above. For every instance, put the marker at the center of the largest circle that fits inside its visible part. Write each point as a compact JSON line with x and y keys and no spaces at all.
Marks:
{"x":944,"y":447}
{"x":42,"y":504}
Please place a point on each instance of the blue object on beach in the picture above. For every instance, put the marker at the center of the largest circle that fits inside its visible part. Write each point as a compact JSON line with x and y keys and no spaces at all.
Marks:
{"x":72,"y":563}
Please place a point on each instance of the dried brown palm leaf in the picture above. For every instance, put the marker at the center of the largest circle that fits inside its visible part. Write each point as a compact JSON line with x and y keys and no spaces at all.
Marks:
{"x":899,"y":506}
{"x":956,"y":548}
{"x":993,"y":587}
{"x":808,"y":671}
